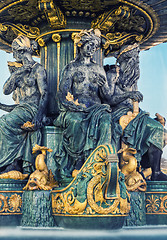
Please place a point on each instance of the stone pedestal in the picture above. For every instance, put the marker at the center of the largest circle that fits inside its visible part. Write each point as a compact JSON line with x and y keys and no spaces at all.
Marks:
{"x":137,"y":214}
{"x":11,"y":201}
{"x":37,"y":209}
{"x":52,"y":137}
{"x":156,"y":203}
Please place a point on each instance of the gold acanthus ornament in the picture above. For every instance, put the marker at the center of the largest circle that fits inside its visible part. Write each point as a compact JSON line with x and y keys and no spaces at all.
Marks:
{"x":156,"y":203}
{"x":10,"y":204}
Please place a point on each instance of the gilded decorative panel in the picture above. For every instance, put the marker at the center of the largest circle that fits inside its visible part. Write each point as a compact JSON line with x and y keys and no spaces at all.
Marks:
{"x":92,"y":192}
{"x":10,"y":203}
{"x":156,"y":203}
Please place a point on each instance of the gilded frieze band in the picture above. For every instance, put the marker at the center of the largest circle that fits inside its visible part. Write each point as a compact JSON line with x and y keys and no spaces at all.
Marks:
{"x":156,"y":203}
{"x":10,"y":204}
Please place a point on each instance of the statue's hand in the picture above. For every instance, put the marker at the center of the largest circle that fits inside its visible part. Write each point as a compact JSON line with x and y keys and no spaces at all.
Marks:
{"x":26,"y":68}
{"x":23,"y":69}
{"x":136,"y":96}
{"x":101,"y":80}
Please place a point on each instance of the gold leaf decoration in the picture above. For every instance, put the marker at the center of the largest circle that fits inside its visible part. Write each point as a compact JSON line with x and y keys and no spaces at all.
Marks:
{"x":15,"y":203}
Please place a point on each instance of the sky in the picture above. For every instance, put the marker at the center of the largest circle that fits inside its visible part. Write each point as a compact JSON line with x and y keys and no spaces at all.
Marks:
{"x":152,"y":83}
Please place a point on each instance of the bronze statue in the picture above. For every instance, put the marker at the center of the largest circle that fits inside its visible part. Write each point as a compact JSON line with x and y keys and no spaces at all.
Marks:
{"x":85,"y":98}
{"x":20,"y":128}
{"x":144,"y":134}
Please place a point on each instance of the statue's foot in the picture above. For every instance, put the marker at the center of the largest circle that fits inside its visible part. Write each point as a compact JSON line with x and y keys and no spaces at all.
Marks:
{"x":159,"y":176}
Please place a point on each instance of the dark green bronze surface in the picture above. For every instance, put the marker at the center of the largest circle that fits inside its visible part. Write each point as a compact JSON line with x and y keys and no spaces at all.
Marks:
{"x":137,"y":214}
{"x":156,"y":203}
{"x":37,"y":210}
{"x":11,"y":201}
{"x":12,"y":185}
{"x":81,"y":222}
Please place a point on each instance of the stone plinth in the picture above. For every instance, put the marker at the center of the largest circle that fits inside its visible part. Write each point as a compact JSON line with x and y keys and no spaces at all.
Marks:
{"x":11,"y":201}
{"x":37,"y":210}
{"x":137,"y":214}
{"x":156,"y":203}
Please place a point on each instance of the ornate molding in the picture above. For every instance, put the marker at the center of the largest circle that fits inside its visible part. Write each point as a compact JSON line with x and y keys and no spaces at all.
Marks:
{"x":126,"y":23}
{"x":41,"y":42}
{"x":156,"y":203}
{"x":10,"y":205}
{"x":86,"y":194}
{"x":54,"y":15}
{"x":56,"y":37}
{"x":9,"y":31}
{"x":30,"y":32}
{"x":53,"y":32}
{"x":121,"y":21}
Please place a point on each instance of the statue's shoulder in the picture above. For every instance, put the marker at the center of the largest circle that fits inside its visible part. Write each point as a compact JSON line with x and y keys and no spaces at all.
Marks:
{"x":98,"y":68}
{"x":70,"y":66}
{"x":38,"y":67}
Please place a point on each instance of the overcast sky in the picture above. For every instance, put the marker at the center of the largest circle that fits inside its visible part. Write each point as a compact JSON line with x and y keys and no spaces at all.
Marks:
{"x":152,"y":82}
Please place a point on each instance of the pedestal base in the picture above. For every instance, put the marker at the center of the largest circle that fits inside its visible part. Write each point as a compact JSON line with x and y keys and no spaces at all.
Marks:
{"x":37,"y":210}
{"x":156,"y":203}
{"x":11,"y":201}
{"x":89,"y":222}
{"x":137,"y":214}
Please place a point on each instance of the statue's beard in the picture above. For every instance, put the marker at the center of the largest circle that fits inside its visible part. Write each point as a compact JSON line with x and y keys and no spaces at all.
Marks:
{"x":127,"y":80}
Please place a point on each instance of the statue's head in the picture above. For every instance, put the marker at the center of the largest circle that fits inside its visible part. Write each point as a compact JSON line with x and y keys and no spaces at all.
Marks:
{"x":128,"y":59}
{"x":127,"y":51}
{"x":23,"y":44}
{"x":88,"y":41}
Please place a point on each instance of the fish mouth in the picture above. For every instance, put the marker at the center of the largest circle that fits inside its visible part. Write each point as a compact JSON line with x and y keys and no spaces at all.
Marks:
{"x":33,"y":186}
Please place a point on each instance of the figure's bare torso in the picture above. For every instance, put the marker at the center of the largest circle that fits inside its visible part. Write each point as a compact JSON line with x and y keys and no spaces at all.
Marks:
{"x":84,"y":83}
{"x":27,"y":88}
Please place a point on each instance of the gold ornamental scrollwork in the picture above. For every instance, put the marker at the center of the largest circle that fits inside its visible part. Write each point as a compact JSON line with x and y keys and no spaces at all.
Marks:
{"x":119,"y":26}
{"x":156,"y":203}
{"x":54,"y":15}
{"x":41,"y":42}
{"x":30,"y":32}
{"x":85,"y":195}
{"x":10,"y":204}
{"x":129,"y":22}
{"x":119,"y":38}
{"x":3,"y":28}
{"x":106,"y":21}
{"x":56,"y":37}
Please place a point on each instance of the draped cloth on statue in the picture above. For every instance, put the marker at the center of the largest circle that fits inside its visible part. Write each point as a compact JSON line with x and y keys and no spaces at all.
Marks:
{"x":82,"y":133}
{"x":140,"y":133}
{"x":15,"y":142}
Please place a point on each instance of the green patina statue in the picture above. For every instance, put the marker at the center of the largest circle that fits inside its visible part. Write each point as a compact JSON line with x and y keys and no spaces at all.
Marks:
{"x":90,"y":109}
{"x":20,"y":128}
